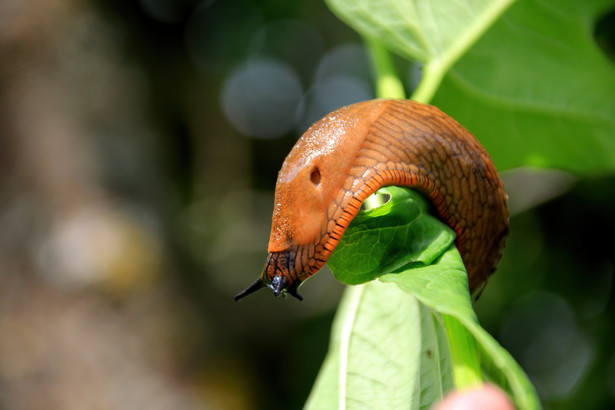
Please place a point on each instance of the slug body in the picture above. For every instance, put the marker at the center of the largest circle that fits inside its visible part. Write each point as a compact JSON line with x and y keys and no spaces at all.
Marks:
{"x":355,"y":150}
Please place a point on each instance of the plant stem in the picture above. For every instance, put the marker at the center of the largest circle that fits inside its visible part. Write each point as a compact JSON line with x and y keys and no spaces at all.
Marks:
{"x":388,"y":84}
{"x":430,"y":81}
{"x":466,"y":363}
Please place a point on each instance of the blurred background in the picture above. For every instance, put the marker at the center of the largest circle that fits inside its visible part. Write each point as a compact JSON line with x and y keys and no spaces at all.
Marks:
{"x":139,"y":147}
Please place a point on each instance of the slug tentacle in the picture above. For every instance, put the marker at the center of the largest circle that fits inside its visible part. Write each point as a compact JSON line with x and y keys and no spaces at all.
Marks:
{"x":258,"y":284}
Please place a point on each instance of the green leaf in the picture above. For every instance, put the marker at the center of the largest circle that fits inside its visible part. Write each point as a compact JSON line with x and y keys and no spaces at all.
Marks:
{"x":389,"y":347}
{"x":440,"y":287}
{"x":537,"y":90}
{"x":387,"y":351}
{"x":388,"y":237}
{"x":434,"y":32}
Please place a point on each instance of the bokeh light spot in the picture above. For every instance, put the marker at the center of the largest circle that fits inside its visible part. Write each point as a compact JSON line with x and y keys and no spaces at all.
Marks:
{"x":329,"y":95}
{"x":261,"y":98}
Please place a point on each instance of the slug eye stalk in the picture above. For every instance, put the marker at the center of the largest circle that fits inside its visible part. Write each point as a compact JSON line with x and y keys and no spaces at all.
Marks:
{"x":257,"y":285}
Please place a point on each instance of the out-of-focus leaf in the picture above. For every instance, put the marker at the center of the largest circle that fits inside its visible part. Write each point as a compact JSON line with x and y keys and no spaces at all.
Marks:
{"x":537,"y":90}
{"x":426,"y":30}
{"x":436,"y":32}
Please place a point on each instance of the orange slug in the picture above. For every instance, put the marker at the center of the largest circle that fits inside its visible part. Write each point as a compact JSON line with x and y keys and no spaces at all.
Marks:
{"x":352,"y":152}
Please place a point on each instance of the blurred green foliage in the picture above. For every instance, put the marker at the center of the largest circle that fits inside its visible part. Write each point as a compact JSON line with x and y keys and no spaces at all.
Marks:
{"x":538,"y":90}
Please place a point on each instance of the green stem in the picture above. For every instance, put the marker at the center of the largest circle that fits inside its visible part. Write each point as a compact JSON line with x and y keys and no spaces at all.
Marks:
{"x":430,"y":81}
{"x":388,"y":84}
{"x":466,"y":363}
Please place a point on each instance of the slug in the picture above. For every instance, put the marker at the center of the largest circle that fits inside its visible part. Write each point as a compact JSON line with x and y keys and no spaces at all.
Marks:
{"x":352,"y":152}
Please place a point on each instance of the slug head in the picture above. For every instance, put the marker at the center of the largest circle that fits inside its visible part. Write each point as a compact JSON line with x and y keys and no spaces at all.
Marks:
{"x":313,"y":174}
{"x":276,"y":275}
{"x":279,"y":285}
